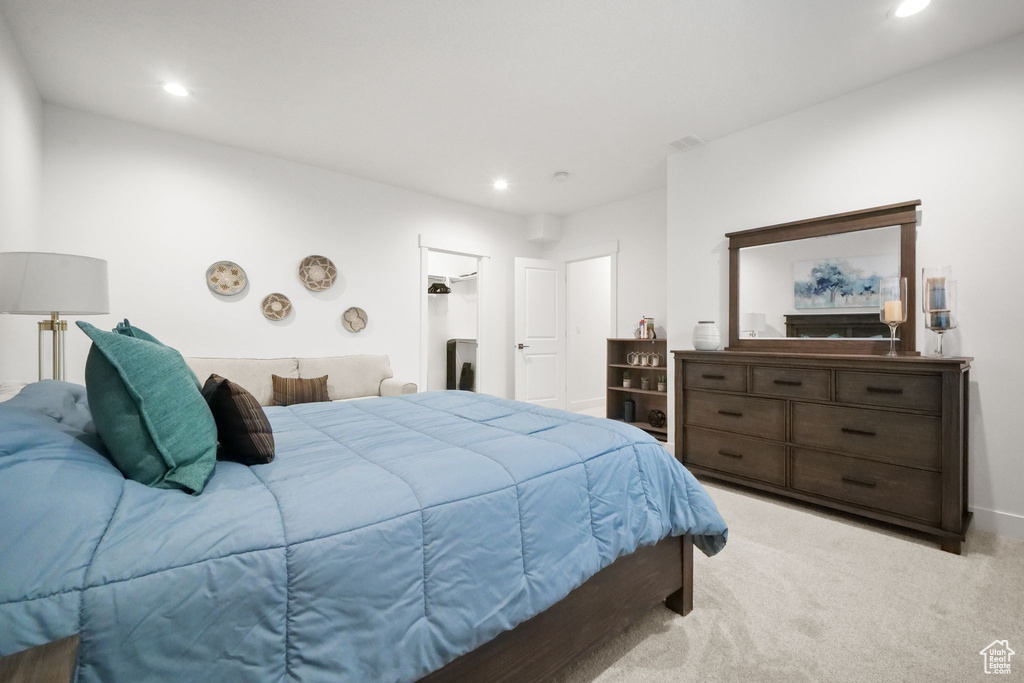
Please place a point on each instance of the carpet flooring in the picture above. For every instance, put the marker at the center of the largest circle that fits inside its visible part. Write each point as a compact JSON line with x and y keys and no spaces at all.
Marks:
{"x":800,"y":594}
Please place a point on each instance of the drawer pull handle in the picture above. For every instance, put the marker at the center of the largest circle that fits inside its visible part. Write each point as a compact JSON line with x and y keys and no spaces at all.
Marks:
{"x":884,"y":390}
{"x":730,"y":455}
{"x":789,"y":382}
{"x":730,"y":413}
{"x":859,"y":482}
{"x":858,"y":432}
{"x":706,"y":376}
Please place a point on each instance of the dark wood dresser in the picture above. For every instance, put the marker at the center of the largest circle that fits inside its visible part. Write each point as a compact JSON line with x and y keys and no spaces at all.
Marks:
{"x":884,"y":438}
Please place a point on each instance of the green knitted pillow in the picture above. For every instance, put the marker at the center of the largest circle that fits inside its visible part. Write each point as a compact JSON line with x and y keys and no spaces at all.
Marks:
{"x":149,"y":412}
{"x":129,"y":330}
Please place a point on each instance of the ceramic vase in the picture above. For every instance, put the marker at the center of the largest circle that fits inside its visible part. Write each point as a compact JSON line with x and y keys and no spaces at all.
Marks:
{"x":706,"y":336}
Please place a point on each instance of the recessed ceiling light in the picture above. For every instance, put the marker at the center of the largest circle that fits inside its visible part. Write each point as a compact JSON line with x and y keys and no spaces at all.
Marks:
{"x":500,"y":184}
{"x":176,"y":89}
{"x":908,"y":8}
{"x":561,"y":176}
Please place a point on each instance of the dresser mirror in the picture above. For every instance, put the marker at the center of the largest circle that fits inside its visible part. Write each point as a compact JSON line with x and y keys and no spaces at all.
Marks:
{"x":813,"y":285}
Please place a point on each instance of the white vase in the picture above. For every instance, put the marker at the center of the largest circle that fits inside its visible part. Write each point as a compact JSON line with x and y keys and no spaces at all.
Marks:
{"x":706,"y":336}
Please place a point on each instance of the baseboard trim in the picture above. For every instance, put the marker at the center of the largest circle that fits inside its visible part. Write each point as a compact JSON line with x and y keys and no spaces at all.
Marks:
{"x":999,"y":523}
{"x":586,"y":404}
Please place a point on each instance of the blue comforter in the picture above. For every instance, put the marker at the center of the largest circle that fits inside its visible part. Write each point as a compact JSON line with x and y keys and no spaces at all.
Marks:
{"x":389,"y":536}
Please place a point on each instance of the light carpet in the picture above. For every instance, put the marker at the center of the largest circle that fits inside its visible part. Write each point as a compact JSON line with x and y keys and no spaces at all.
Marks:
{"x":800,"y":594}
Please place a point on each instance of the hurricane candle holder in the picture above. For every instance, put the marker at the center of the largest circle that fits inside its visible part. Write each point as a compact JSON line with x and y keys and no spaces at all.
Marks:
{"x":933,"y":287}
{"x":938,"y":301}
{"x":892,"y":307}
{"x":944,"y":319}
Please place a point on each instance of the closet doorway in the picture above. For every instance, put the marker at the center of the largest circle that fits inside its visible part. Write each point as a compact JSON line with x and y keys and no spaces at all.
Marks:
{"x":450,"y":321}
{"x":589,"y":323}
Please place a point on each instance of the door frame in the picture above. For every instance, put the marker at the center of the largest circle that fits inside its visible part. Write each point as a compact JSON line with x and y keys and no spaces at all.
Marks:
{"x":610,"y":249}
{"x":427,"y":244}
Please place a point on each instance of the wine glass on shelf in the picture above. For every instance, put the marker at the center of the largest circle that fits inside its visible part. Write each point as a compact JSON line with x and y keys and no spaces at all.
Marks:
{"x":892,"y":307}
{"x":942,"y":319}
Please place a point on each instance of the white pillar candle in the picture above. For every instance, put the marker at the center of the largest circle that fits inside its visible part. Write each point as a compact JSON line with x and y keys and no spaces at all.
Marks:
{"x":893,"y":311}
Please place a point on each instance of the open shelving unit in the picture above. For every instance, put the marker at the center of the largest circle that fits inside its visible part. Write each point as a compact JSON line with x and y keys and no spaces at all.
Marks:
{"x":646,"y":399}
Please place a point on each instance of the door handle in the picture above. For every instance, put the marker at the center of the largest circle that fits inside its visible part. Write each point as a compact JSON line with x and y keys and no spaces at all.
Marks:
{"x":522,"y":346}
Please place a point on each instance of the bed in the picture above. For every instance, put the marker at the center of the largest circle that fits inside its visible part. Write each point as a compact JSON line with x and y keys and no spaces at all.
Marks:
{"x":391,"y":539}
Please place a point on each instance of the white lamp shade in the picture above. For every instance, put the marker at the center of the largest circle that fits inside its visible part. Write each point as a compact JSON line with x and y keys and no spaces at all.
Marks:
{"x":754,"y":321}
{"x":39,"y":283}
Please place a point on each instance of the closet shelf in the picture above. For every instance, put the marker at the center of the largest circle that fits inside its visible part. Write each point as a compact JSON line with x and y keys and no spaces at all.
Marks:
{"x":639,"y":391}
{"x":646,"y":426}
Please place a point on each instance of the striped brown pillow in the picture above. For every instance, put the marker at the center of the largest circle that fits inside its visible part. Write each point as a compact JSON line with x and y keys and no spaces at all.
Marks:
{"x":243,"y":429}
{"x":291,"y":390}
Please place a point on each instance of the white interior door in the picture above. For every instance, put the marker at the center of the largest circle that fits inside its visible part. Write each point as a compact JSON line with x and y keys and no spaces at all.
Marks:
{"x":540,"y":332}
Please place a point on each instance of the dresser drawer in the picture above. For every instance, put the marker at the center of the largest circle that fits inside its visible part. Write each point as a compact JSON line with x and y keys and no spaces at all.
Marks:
{"x":912,"y":440}
{"x":900,"y":490}
{"x":917,"y":392}
{"x":748,"y":458}
{"x":762,"y":417}
{"x":790,"y":382}
{"x":715,"y":376}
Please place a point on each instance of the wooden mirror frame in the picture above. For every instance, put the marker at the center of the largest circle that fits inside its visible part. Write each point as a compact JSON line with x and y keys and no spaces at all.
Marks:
{"x":903,"y":215}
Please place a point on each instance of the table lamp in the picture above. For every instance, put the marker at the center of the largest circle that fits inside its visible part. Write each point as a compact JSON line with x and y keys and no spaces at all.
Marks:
{"x":38,"y":283}
{"x":754,"y":322}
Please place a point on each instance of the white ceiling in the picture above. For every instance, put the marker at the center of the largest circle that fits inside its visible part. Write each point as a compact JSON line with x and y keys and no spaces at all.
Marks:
{"x":443,"y":96}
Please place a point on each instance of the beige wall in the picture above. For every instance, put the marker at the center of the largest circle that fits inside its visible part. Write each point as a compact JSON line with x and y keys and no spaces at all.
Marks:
{"x":161,"y":207}
{"x":20,"y":177}
{"x":638,"y":223}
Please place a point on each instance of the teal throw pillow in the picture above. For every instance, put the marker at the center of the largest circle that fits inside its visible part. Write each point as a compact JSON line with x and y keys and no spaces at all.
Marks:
{"x":147,"y":408}
{"x":129,"y":330}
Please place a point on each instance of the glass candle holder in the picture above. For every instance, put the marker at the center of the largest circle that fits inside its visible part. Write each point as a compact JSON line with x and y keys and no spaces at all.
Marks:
{"x":892,"y":307}
{"x":942,"y":320}
{"x":933,"y":287}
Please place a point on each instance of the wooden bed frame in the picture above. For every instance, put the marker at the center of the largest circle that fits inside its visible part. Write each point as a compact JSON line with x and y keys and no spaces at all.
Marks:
{"x":602,"y":607}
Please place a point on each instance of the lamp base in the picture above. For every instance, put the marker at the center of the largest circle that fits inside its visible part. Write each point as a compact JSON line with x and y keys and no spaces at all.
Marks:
{"x":56,"y":327}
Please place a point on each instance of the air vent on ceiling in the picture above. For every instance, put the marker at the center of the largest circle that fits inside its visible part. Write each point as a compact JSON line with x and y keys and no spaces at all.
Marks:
{"x":687,"y":142}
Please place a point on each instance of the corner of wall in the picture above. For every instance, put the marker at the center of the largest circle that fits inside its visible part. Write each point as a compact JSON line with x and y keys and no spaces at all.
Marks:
{"x":544,"y":228}
{"x":20,"y":192}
